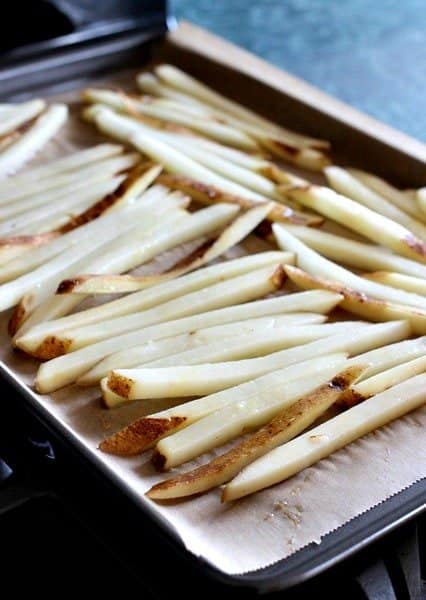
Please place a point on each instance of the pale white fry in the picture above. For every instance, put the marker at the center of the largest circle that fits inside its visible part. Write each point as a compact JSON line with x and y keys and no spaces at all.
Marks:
{"x":238,"y":418}
{"x":421,"y":199}
{"x":197,"y":380}
{"x":30,"y":142}
{"x":66,"y":369}
{"x":355,"y":254}
{"x":317,"y":265}
{"x":401,"y":282}
{"x":312,"y":446}
{"x":20,"y":115}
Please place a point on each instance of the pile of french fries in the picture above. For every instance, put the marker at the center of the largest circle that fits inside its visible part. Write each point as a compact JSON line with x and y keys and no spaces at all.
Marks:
{"x":269,"y":343}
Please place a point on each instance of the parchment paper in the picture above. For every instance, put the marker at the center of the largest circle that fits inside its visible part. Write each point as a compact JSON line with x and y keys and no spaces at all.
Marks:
{"x":270,"y":525}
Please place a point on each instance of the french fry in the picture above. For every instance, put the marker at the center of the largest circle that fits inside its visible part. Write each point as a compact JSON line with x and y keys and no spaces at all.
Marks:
{"x":225,"y":293}
{"x":211,"y":194}
{"x":203,"y":379}
{"x":421,"y":199}
{"x":180,"y":80}
{"x":212,"y":129}
{"x":155,"y":349}
{"x":246,"y":346}
{"x":44,"y":219}
{"x":359,"y":303}
{"x":396,"y":280}
{"x":391,"y":193}
{"x":150,"y":84}
{"x":65,"y":369}
{"x":382,"y":381}
{"x":145,"y":432}
{"x":231,"y":236}
{"x":310,"y":447}
{"x":63,"y":183}
{"x":21,"y":114}
{"x":355,"y":254}
{"x":236,"y":419}
{"x":344,"y":183}
{"x":283,"y":427}
{"x":24,"y":148}
{"x":318,"y":266}
{"x":359,"y":218}
{"x":146,"y":299}
{"x":21,"y":183}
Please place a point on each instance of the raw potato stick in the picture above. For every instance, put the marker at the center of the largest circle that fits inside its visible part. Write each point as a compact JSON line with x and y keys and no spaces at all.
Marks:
{"x":285,"y":426}
{"x":344,"y":183}
{"x":232,"y":421}
{"x":145,"y":432}
{"x":20,"y":115}
{"x":233,"y":291}
{"x":12,"y":188}
{"x":197,"y":380}
{"x":363,"y":220}
{"x":383,"y":188}
{"x":245,"y":346}
{"x":421,"y":199}
{"x":44,"y":128}
{"x":155,"y":349}
{"x":318,"y":266}
{"x":359,"y":303}
{"x":145,"y":299}
{"x":66,"y":369}
{"x":232,"y":235}
{"x":310,"y":447}
{"x":355,"y":254}
{"x":382,"y":381}
{"x":402,"y":282}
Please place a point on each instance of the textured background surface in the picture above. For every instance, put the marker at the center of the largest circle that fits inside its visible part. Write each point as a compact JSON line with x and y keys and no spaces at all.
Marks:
{"x":371,"y":54}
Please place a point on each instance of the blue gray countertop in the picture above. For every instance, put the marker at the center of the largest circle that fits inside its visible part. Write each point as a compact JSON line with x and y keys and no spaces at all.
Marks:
{"x":369,"y":53}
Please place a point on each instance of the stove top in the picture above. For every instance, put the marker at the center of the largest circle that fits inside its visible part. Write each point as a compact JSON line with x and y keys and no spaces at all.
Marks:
{"x":58,"y":517}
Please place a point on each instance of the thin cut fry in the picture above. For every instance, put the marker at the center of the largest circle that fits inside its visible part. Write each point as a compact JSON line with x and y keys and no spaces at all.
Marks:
{"x":402,"y":282}
{"x":344,"y":183}
{"x":21,"y":114}
{"x":310,"y":447}
{"x":283,"y":427}
{"x":319,"y":266}
{"x":360,"y":303}
{"x":361,"y":219}
{"x":45,"y":127}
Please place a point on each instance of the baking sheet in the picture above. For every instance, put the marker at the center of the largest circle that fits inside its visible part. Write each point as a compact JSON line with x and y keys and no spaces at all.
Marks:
{"x":259,"y":530}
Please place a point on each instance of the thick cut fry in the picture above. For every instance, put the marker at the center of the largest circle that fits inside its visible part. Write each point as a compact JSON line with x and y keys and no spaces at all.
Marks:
{"x":361,"y":219}
{"x":391,"y":193}
{"x":317,"y":265}
{"x":22,"y":183}
{"x":360,"y":304}
{"x":285,"y":426}
{"x":401,"y":282}
{"x":233,"y":291}
{"x":148,"y":298}
{"x":213,"y":129}
{"x":155,"y":349}
{"x":197,"y":380}
{"x":44,"y":128}
{"x":382,"y":381}
{"x":231,"y":236}
{"x":235,"y":419}
{"x":21,"y":114}
{"x":180,"y":80}
{"x":310,"y":447}
{"x":65,"y":369}
{"x":246,"y":346}
{"x":355,"y":254}
{"x":145,"y":432}
{"x":210,"y":194}
{"x":344,"y":183}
